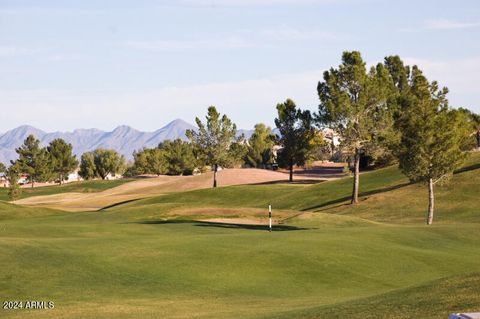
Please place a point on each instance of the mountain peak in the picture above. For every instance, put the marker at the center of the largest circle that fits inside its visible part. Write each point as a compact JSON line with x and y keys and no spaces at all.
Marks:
{"x":124,"y":139}
{"x":123,"y":128}
{"x":178,"y":122}
{"x":25,"y":129}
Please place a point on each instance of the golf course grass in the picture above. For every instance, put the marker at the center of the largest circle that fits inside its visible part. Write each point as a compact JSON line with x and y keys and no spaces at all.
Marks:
{"x":160,"y":257}
{"x":78,"y":187}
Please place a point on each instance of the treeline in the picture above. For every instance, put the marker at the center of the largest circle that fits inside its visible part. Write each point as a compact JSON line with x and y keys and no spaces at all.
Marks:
{"x":56,"y":161}
{"x":43,"y":164}
{"x":388,"y":113}
{"x":40,"y":164}
{"x":169,"y":158}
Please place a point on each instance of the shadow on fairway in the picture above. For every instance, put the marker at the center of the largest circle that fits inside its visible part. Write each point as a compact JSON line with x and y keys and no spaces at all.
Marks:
{"x":222,"y":225}
{"x":362,"y":196}
{"x":467,"y":168}
{"x":119,"y":203}
{"x":295,"y":181}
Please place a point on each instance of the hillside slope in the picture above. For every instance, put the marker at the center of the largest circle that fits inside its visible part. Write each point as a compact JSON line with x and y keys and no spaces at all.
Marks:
{"x":161,"y":257}
{"x":386,"y":196}
{"x":72,"y":197}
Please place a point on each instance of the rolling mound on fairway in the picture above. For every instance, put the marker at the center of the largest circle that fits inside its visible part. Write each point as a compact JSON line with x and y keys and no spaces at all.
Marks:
{"x":187,"y":255}
{"x":386,"y":196}
{"x":63,"y":199}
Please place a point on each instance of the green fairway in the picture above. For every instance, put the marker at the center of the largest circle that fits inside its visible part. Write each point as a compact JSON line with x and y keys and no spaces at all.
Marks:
{"x":153,"y":258}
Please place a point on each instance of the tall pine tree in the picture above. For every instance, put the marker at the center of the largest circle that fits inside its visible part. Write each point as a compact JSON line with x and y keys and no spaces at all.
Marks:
{"x":354,"y":104}
{"x":431,"y":136}
{"x":179,"y":157}
{"x":62,"y":161}
{"x":33,"y":160}
{"x":13,"y":175}
{"x":296,"y":133}
{"x":212,"y":142}
{"x":260,"y":147}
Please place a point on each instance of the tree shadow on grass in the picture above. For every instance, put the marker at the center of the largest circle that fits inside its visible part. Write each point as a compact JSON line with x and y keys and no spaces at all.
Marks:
{"x":222,"y":225}
{"x":341,"y":201}
{"x":295,"y":182}
{"x":362,"y":195}
{"x":467,"y":168}
{"x":119,"y":203}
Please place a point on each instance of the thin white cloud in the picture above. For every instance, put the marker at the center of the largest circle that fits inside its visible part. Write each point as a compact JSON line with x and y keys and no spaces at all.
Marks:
{"x":61,"y":57}
{"x":147,"y":110}
{"x":175,"y":45}
{"x":245,"y":38}
{"x":445,"y":24}
{"x":287,"y":33}
{"x":244,"y":3}
{"x":42,"y":54}
{"x":60,"y":10}
{"x":47,"y":10}
{"x":461,"y":76}
{"x":442,"y":24}
{"x":14,"y":51}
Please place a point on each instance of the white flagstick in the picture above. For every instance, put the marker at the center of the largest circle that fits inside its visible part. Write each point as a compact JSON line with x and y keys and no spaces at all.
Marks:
{"x":270,"y":217}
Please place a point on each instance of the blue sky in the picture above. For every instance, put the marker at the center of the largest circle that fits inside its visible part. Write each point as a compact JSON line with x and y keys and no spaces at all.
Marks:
{"x":83,"y":64}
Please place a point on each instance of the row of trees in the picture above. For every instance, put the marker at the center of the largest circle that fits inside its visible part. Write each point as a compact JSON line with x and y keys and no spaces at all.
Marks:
{"x":390,"y":112}
{"x":395,"y":108}
{"x":42,"y":164}
{"x":214,"y":144}
{"x":56,"y":161}
{"x":175,"y":157}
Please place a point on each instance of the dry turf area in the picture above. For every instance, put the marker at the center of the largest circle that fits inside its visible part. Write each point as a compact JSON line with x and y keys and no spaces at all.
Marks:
{"x":152,"y":186}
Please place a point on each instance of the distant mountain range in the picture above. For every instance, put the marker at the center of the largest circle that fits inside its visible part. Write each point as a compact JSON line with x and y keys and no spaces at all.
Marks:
{"x":123,"y":139}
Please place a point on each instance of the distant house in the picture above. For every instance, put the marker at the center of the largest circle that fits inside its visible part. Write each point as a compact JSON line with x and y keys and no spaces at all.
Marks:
{"x":3,"y":180}
{"x":330,"y":136}
{"x":73,"y":176}
{"x":113,"y":176}
{"x":23,"y":179}
{"x":275,"y":150}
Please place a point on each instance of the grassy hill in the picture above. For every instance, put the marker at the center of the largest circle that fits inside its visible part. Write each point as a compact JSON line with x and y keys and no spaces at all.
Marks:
{"x":430,"y":300}
{"x":78,"y":187}
{"x":154,"y":257}
{"x":386,"y":196}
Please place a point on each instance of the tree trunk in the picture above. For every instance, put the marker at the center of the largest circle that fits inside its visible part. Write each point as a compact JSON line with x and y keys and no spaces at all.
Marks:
{"x":61,"y":179}
{"x":430,"y":202}
{"x":33,"y":183}
{"x":356,"y":176}
{"x":215,"y":168}
{"x":291,"y":173}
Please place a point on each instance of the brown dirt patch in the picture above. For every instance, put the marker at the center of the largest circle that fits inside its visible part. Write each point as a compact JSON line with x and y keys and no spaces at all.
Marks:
{"x":250,"y":216}
{"x":239,"y":221}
